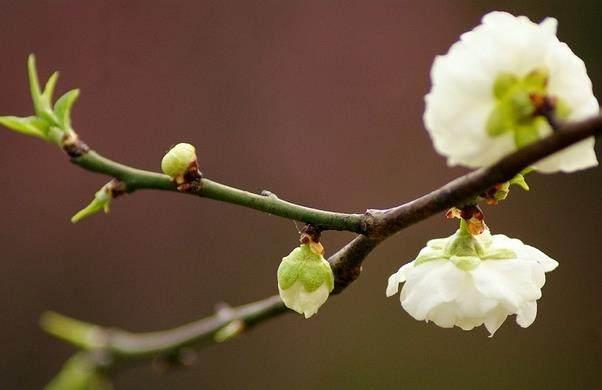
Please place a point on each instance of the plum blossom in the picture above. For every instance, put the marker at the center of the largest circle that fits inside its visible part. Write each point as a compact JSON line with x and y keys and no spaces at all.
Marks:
{"x":487,"y":93}
{"x":468,"y":281}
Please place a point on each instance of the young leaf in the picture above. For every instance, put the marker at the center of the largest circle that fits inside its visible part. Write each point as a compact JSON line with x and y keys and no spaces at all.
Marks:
{"x":50,"y":85}
{"x":34,"y":84}
{"x":30,"y":125}
{"x":62,"y":108}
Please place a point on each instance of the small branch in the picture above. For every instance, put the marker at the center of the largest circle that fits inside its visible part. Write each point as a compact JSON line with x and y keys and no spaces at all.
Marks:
{"x":457,"y":192}
{"x":122,"y":345}
{"x":137,"y":179}
{"x":109,"y":346}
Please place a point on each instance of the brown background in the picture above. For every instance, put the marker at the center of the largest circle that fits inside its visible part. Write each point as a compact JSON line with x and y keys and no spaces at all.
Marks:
{"x":317,"y":101}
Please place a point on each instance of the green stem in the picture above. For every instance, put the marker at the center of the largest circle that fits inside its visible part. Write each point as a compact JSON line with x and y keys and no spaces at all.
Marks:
{"x":137,"y":179}
{"x":121,"y":344}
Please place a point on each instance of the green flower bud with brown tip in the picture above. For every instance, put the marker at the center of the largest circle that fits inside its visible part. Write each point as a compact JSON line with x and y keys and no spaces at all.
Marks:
{"x":179,"y":161}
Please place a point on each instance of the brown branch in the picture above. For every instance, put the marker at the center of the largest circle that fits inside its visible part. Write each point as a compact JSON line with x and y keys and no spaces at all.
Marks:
{"x":346,"y":263}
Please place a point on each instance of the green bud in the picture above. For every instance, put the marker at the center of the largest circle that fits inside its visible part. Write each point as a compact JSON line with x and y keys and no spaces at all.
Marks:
{"x":229,"y":331}
{"x":519,"y":180}
{"x":305,"y":280}
{"x":178,"y":161}
{"x":102,"y":200}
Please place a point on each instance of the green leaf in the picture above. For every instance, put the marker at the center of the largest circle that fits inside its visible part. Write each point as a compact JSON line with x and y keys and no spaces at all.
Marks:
{"x":41,"y":100}
{"x":520,"y":181}
{"x":62,"y":108}
{"x":49,"y":88}
{"x":102,"y":200}
{"x":30,"y":125}
{"x":34,"y":84}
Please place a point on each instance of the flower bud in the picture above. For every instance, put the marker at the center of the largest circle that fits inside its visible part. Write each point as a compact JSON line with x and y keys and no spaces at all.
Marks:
{"x":180,"y":160}
{"x":305,"y":280}
{"x":102,"y":200}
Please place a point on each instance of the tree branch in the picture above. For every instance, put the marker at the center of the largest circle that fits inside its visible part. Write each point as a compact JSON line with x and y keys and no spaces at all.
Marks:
{"x":457,"y":192}
{"x":124,"y":345}
{"x":138,"y":179}
{"x":378,"y":225}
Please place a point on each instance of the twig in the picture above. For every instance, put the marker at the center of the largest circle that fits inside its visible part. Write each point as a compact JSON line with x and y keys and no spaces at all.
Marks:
{"x":138,"y":179}
{"x":378,"y":225}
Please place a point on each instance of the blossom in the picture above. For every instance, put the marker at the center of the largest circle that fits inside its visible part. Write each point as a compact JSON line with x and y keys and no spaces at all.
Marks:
{"x":468,"y":281}
{"x":487,"y":90}
{"x":305,"y":279}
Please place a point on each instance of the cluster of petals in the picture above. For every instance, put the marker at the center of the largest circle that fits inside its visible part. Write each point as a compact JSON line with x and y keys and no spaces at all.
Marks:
{"x":462,"y":97}
{"x":450,"y":291}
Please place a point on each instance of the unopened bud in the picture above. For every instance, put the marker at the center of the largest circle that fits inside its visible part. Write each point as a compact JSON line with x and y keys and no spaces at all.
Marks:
{"x":305,"y":279}
{"x":179,"y":162}
{"x":102,"y":200}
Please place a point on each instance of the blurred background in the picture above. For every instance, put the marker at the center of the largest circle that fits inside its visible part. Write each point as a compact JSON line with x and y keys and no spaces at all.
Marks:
{"x":317,"y":101}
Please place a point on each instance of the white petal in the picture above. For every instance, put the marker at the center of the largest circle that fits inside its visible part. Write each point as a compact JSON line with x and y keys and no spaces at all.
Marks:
{"x":495,"y":319}
{"x":526,"y":314}
{"x":469,"y":323}
{"x":302,"y":301}
{"x":509,"y":281}
{"x":397,"y":278}
{"x":444,"y":315}
{"x":442,"y":282}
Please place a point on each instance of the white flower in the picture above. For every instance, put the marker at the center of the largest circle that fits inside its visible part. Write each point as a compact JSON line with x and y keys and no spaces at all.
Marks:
{"x":302,"y":301}
{"x":481,"y":105}
{"x":305,"y":279}
{"x":468,"y":281}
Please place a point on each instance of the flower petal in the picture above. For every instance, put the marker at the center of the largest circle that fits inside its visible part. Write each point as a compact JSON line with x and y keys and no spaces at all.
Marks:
{"x":526,"y":314}
{"x":509,"y":281}
{"x":495,"y":319}
{"x":440,"y":282}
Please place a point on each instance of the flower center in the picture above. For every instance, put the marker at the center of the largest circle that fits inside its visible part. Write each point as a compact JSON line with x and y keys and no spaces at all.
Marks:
{"x":516,"y":108}
{"x":464,"y":250}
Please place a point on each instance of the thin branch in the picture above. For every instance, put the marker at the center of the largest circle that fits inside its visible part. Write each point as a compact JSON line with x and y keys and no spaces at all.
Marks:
{"x":138,"y":179}
{"x":346,"y":263}
{"x":457,"y":192}
{"x":124,"y":345}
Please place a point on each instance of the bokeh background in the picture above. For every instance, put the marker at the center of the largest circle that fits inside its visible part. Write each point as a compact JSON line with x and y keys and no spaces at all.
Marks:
{"x":317,"y":101}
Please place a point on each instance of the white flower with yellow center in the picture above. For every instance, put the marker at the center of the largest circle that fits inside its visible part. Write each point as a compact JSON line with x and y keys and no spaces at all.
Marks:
{"x":468,"y":281}
{"x":483,"y":101}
